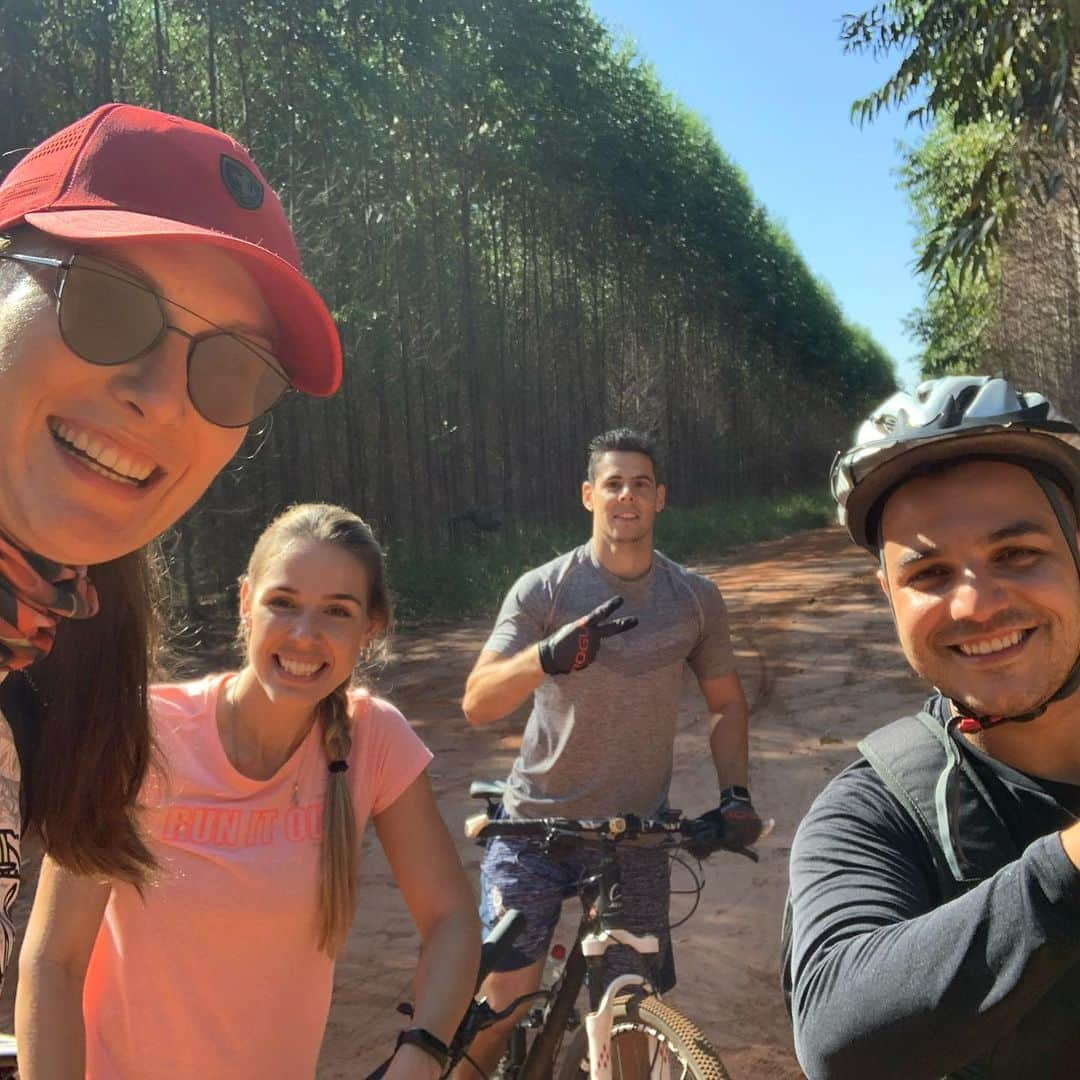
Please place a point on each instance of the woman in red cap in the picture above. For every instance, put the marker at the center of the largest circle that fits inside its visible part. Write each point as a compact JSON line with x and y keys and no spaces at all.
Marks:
{"x":151,"y":307}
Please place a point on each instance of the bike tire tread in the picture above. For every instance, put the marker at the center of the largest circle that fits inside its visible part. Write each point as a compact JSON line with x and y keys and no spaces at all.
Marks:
{"x":680,"y":1032}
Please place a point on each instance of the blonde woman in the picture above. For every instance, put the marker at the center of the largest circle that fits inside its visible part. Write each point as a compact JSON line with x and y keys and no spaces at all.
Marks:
{"x":224,"y":967}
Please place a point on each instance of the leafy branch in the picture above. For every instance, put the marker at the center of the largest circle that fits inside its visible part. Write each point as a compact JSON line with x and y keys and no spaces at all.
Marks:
{"x":1012,"y":63}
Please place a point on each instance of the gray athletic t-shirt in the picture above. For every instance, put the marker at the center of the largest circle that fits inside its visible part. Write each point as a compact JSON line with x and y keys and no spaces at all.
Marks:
{"x":600,"y":741}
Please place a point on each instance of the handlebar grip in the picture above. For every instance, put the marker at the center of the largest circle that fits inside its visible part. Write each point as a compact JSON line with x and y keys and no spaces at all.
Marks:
{"x":502,"y":936}
{"x":474,"y":825}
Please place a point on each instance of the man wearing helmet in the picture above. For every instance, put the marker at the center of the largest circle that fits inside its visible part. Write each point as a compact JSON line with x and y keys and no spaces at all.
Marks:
{"x":935,"y":889}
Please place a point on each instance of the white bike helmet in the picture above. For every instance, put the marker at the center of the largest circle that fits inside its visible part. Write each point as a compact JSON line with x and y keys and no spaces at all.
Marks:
{"x":959,"y":416}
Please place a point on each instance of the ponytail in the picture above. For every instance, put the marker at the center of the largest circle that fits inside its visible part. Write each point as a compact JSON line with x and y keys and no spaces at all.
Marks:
{"x":339,"y":858}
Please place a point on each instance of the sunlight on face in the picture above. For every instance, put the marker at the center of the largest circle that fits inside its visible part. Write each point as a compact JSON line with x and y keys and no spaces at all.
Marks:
{"x":110,"y":456}
{"x":624,"y":498}
{"x":308,"y":619}
{"x":983,"y":585}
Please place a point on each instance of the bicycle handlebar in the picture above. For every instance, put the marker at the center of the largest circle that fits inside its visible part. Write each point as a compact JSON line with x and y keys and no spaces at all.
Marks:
{"x":620,"y":828}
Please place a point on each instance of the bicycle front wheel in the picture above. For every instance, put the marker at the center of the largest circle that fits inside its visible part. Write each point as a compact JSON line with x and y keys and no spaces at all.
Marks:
{"x":648,"y":1039}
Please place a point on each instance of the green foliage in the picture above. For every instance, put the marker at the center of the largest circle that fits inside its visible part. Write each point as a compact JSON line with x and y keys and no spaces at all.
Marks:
{"x":1008,"y":62}
{"x":938,"y":175}
{"x":473,"y":581}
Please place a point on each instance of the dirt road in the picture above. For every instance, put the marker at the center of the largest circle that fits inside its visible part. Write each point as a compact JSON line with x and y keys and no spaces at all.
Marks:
{"x":821,"y":668}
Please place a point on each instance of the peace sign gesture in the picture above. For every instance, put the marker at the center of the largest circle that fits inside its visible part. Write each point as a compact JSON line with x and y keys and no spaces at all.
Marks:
{"x":574,"y":646}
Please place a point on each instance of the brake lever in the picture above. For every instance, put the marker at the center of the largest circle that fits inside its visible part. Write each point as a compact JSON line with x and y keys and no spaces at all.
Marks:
{"x":746,"y":852}
{"x":767,"y":826}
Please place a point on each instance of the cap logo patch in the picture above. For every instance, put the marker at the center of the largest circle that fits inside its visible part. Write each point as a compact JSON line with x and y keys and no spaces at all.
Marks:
{"x":241,"y":183}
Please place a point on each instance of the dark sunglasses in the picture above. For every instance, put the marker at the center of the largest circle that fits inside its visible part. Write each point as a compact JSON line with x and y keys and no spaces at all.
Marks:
{"x":108,"y":317}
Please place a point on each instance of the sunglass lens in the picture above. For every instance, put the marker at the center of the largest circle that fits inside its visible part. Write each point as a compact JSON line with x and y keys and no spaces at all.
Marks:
{"x":231,"y":382}
{"x":106,"y":318}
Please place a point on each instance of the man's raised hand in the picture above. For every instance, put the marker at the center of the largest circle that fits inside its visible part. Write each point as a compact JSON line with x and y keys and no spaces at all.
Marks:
{"x":574,"y":646}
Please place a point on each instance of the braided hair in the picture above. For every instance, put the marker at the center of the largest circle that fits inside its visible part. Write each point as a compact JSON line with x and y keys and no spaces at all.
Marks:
{"x":340,"y":855}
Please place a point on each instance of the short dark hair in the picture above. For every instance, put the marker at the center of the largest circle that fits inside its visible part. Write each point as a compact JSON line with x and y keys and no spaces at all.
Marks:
{"x":623,"y":439}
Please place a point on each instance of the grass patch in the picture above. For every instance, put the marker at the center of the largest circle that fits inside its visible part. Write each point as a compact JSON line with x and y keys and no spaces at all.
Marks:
{"x":474,"y":581}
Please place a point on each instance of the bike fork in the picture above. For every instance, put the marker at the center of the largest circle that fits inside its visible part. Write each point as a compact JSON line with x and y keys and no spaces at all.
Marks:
{"x":598,"y":1023}
{"x":598,"y":1027}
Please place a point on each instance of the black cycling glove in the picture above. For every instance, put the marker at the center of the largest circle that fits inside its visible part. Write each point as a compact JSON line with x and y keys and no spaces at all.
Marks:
{"x":733,"y":825}
{"x":742,"y":826}
{"x":574,"y":646}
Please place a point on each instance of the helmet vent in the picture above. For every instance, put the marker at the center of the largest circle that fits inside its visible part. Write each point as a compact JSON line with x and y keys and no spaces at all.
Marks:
{"x":966,"y":397}
{"x":950,"y":415}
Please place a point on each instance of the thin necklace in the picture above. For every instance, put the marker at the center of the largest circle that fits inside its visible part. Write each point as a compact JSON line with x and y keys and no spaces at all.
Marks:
{"x":233,"y":712}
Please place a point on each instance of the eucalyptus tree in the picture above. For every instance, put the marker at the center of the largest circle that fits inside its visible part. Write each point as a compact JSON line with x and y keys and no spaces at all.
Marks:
{"x":1009,"y":62}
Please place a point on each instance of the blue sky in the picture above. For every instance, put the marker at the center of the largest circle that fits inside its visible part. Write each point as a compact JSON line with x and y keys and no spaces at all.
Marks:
{"x":772,"y":81}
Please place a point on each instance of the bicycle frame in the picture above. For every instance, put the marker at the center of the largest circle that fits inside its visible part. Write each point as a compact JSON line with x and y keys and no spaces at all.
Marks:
{"x":600,"y":929}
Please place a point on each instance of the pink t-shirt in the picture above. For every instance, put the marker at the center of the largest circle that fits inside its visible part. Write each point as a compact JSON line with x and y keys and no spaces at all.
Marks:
{"x":215,"y":972}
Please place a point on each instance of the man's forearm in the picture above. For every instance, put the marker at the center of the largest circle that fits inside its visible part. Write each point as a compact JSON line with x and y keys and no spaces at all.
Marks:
{"x":497,"y":687}
{"x":730,"y":744}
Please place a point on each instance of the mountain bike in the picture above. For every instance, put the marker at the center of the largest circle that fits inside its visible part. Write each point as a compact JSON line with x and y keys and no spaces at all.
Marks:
{"x":629,"y":1032}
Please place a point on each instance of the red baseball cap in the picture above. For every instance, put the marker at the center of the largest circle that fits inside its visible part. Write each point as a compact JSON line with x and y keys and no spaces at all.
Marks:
{"x":128,"y":173}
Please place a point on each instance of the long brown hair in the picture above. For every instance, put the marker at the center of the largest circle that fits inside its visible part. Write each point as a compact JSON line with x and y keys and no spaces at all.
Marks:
{"x":339,"y":859}
{"x":94,"y":744}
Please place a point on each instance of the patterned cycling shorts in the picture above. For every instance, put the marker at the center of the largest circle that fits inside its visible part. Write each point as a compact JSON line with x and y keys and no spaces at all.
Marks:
{"x":514,"y":874}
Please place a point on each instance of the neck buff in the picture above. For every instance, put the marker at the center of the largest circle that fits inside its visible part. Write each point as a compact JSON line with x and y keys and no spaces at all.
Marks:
{"x":35,"y":594}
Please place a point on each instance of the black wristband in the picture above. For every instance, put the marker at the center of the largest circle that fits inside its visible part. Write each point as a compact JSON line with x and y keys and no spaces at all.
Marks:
{"x":735,"y":792}
{"x":432,"y":1045}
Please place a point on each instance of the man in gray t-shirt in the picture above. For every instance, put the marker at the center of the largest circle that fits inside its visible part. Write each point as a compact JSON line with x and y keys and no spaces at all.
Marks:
{"x":600,"y":737}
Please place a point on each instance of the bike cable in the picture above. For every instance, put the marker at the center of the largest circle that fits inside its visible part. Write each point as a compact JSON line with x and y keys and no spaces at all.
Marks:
{"x":695,"y":890}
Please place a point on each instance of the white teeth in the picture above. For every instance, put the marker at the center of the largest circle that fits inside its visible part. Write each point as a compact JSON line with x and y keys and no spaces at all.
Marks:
{"x":295,"y":667}
{"x":984,"y":648}
{"x":115,"y":463}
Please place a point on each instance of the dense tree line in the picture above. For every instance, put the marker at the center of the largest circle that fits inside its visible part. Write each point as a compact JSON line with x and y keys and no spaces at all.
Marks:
{"x":524,"y":240}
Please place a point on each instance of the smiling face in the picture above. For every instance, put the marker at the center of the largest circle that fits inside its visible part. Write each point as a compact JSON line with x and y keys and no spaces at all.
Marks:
{"x":983,"y":586}
{"x":308,"y":618}
{"x":109,"y":457}
{"x":624,"y":498}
